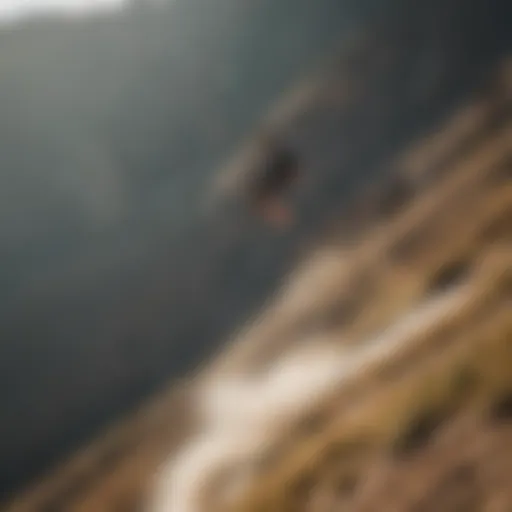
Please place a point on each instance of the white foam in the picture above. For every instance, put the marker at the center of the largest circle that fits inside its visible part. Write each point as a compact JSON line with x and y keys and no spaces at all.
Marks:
{"x":241,"y":413}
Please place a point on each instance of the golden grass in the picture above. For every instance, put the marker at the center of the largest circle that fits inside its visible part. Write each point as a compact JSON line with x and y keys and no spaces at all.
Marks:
{"x":383,"y":419}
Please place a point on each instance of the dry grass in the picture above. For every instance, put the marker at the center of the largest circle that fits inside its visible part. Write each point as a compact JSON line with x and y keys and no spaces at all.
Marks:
{"x":461,"y":364}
